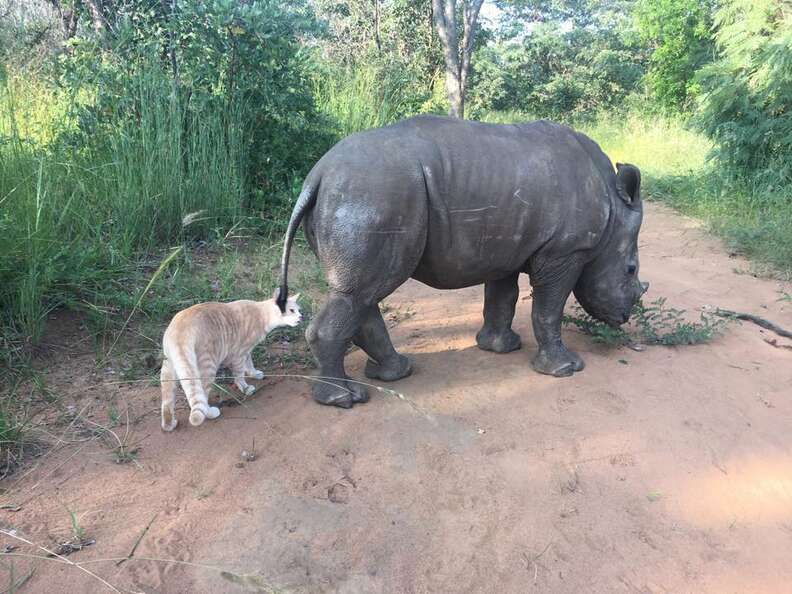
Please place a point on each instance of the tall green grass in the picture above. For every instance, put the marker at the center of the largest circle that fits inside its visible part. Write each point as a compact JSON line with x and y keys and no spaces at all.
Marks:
{"x":77,"y":209}
{"x":355,"y":99}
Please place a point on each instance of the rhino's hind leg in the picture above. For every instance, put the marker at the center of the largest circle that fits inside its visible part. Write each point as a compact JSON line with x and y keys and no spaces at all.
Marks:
{"x":329,"y":335}
{"x":500,"y":298}
{"x":385,"y":363}
{"x":553,"y":358}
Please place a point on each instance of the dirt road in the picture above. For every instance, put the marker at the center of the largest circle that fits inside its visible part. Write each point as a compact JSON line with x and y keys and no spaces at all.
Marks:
{"x":668,"y":470}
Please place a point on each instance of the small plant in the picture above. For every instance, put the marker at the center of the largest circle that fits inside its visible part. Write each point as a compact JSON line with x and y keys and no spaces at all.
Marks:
{"x":78,"y":532}
{"x":654,"y":324}
{"x":785,"y":297}
{"x":77,"y":540}
{"x":113,"y":416}
{"x":599,"y":331}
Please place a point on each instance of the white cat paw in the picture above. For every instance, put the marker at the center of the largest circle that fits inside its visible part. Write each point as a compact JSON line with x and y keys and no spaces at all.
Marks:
{"x":197,"y":417}
{"x":171,"y":426}
{"x":249,"y":390}
{"x":256,"y":374}
{"x":213,"y":412}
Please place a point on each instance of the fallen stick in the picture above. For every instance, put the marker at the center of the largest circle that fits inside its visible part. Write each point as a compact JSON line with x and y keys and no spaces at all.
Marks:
{"x":774,"y":342}
{"x":725,"y":313}
{"x":137,"y":542}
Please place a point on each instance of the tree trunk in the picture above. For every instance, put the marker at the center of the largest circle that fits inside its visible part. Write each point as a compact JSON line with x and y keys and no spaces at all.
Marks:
{"x":457,"y":58}
{"x":470,"y":15}
{"x":97,"y":17}
{"x":445,"y":21}
{"x":68,"y":17}
{"x":377,"y":25}
{"x":169,"y":6}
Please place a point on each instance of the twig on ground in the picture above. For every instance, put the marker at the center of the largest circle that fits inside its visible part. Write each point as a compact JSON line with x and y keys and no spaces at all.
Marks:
{"x":534,"y":560}
{"x":767,"y":325}
{"x":137,"y":542}
{"x":774,"y":342}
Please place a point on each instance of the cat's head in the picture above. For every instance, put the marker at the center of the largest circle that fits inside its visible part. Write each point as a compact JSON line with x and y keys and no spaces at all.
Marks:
{"x":291,"y":315}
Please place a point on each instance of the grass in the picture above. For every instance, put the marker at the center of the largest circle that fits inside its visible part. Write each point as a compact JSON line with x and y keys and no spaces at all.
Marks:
{"x":79,"y":211}
{"x":364,"y":97}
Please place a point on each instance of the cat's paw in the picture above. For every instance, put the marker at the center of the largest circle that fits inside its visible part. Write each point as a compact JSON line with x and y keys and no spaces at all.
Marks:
{"x":213,"y":412}
{"x":249,"y":390}
{"x":257,"y":374}
{"x":170,"y":426}
{"x":197,"y":417}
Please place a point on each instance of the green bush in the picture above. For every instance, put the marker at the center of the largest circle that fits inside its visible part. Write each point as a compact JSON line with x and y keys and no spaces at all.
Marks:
{"x":748,"y":93}
{"x":164,"y":130}
{"x":679,"y":36}
{"x":556,"y":72}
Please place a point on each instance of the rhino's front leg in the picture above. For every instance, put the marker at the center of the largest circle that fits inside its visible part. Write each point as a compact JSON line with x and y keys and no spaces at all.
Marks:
{"x":549,"y":298}
{"x":500,"y":298}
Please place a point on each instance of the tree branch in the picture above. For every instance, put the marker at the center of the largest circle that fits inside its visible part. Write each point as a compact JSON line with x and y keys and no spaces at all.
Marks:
{"x":767,"y":325}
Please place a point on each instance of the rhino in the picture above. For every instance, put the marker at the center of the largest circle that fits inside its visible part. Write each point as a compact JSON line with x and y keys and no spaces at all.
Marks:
{"x":455,"y":203}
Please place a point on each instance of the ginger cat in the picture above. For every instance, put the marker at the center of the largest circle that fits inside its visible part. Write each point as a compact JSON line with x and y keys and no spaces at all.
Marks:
{"x":204,"y":337}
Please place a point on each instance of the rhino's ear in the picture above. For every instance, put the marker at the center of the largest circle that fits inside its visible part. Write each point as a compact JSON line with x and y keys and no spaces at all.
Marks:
{"x":628,"y":178}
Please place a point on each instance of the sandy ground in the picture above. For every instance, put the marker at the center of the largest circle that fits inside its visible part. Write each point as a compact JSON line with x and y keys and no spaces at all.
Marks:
{"x":667,"y":471}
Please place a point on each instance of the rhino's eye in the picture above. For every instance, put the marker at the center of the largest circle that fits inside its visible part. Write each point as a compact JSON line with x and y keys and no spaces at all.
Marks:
{"x":631,"y":269}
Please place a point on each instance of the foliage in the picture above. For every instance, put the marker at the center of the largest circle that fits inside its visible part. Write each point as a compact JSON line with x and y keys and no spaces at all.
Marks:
{"x":654,"y":324}
{"x":359,"y":98}
{"x":561,"y":70}
{"x":753,"y":218}
{"x":746,"y":108}
{"x":391,"y":41}
{"x":156,"y":123}
{"x":678,"y":33}
{"x":241,"y":60}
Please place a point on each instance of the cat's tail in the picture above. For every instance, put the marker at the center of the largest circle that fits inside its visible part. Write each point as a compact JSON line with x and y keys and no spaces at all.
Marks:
{"x":305,"y":202}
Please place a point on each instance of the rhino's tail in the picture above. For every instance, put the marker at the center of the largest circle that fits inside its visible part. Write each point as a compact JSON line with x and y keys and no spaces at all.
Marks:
{"x":305,"y":201}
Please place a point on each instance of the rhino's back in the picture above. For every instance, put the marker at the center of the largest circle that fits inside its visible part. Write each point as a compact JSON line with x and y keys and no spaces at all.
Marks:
{"x":490,"y":195}
{"x":499,"y":194}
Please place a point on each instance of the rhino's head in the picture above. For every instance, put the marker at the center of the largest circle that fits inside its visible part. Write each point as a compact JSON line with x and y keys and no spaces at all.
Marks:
{"x":609,"y":287}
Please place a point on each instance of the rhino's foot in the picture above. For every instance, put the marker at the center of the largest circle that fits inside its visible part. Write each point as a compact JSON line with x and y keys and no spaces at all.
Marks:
{"x":390,"y":370}
{"x":499,"y":341}
{"x":558,"y":362}
{"x":342,"y":393}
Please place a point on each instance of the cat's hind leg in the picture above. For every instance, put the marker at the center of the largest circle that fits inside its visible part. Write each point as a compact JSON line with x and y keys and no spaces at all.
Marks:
{"x":168,"y":386}
{"x":195,"y":382}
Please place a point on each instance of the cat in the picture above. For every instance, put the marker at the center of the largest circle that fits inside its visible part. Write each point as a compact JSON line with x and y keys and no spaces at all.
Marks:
{"x":204,"y":337}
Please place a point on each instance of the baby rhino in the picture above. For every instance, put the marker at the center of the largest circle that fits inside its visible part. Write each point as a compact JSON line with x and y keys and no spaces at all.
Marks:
{"x":202,"y":338}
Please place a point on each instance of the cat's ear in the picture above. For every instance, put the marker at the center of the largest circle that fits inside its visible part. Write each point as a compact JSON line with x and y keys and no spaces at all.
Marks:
{"x":276,"y":294}
{"x":295,"y":298}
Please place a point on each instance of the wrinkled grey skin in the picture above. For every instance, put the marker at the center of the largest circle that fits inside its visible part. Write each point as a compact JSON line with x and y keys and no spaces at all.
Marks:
{"x":454,"y":203}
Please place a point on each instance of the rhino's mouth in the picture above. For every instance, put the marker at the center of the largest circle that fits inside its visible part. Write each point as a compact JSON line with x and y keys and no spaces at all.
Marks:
{"x":614,"y":321}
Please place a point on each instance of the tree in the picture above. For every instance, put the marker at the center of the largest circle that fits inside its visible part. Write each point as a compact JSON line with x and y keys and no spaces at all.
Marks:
{"x":457,"y":57}
{"x":558,"y":59}
{"x":678,"y":33}
{"x":747,"y":91}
